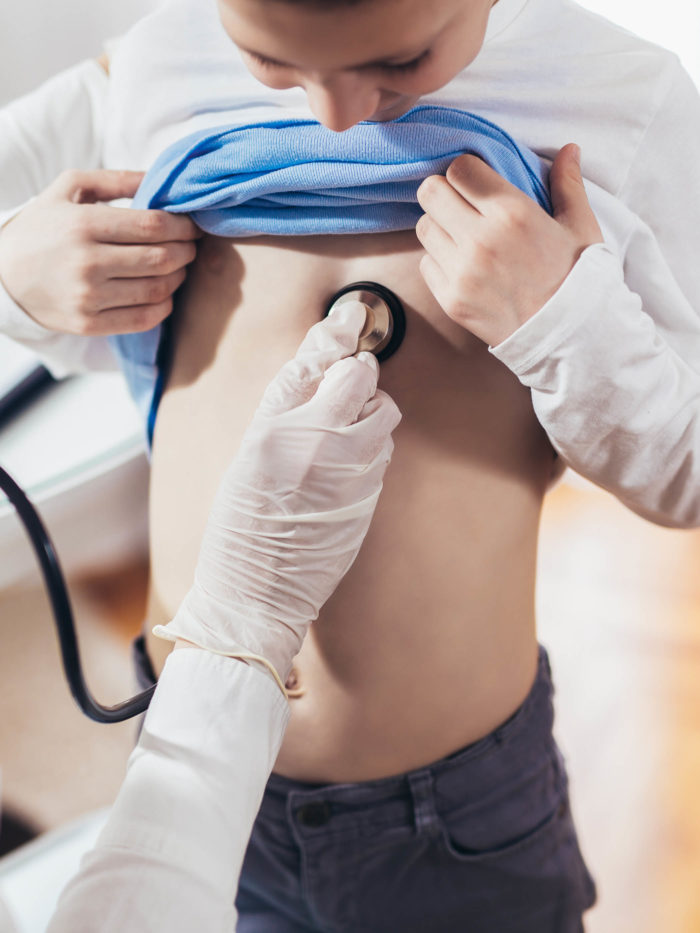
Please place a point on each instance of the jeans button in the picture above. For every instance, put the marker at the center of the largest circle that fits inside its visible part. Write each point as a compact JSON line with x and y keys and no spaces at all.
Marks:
{"x":314,"y":814}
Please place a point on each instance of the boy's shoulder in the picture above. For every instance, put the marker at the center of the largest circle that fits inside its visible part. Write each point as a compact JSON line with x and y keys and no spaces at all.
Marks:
{"x":583,"y":31}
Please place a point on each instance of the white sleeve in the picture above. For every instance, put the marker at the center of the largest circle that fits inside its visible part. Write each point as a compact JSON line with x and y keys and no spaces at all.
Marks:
{"x":170,"y":855}
{"x":59,"y":126}
{"x":613,"y":359}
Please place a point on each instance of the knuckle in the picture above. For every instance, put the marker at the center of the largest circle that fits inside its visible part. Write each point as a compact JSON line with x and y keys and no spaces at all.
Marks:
{"x":516,"y":215}
{"x":139,"y":318}
{"x":78,"y":232}
{"x":422,"y":226}
{"x":158,"y":291}
{"x":89,"y":269}
{"x":69,"y":178}
{"x":157,"y":257}
{"x":84,"y":298}
{"x":154,"y":314}
{"x":454,"y":308}
{"x":151,"y":224}
{"x":463,"y":284}
{"x":429,"y":187}
{"x":458,"y":168}
{"x":485,"y":251}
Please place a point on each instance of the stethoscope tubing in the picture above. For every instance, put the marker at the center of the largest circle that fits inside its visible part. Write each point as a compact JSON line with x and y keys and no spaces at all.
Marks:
{"x":57,"y":590}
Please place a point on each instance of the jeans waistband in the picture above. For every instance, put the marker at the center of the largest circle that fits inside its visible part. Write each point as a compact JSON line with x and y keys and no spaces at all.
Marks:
{"x":513,"y":752}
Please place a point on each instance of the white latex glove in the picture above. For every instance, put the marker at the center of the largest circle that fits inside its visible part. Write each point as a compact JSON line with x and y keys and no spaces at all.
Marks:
{"x":294,"y":506}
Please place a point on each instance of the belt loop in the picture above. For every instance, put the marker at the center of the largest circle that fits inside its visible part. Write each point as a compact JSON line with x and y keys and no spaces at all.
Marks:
{"x":425,"y":815}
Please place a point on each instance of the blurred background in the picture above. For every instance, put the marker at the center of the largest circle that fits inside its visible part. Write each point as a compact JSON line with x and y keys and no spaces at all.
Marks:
{"x":618,"y":598}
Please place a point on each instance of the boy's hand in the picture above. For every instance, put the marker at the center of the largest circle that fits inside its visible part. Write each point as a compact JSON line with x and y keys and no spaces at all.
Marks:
{"x":494,"y":256}
{"x":82,"y":267}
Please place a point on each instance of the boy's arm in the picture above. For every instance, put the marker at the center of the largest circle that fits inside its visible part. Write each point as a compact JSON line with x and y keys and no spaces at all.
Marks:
{"x":57,"y":127}
{"x":619,"y":403}
{"x":74,"y":269}
{"x":613,"y":359}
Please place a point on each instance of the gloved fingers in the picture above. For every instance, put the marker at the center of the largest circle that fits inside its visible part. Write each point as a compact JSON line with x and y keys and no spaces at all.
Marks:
{"x":332,"y":339}
{"x":369,"y":438}
{"x":382,"y":411}
{"x":343,"y":392}
{"x":292,"y":386}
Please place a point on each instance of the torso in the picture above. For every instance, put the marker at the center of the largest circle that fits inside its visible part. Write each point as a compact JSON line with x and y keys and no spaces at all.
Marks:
{"x":429,"y":642}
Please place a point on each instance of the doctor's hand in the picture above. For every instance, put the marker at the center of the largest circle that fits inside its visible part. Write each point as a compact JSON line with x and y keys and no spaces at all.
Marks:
{"x":79,"y":266}
{"x":295,"y":505}
{"x":494,"y":257}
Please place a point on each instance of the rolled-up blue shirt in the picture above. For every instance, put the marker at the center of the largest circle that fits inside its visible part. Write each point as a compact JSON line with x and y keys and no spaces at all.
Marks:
{"x":296,"y":178}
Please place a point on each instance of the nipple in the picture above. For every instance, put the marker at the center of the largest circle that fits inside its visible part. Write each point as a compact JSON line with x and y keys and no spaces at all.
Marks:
{"x":385,"y":324}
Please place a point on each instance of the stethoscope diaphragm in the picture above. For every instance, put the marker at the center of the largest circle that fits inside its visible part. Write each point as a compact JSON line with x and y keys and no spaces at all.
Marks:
{"x":385,"y":325}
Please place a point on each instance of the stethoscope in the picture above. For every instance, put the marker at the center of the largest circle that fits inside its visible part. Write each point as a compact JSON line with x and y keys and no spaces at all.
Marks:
{"x":382,"y":334}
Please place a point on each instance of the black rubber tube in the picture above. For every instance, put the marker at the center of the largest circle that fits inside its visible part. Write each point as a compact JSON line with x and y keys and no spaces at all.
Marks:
{"x":63,"y":614}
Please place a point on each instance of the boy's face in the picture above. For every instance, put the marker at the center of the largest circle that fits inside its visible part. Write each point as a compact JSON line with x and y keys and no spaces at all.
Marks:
{"x":369,"y":61}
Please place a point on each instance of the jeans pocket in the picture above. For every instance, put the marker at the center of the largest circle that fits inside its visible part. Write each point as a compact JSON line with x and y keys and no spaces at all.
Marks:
{"x":529,"y":844}
{"x":504,"y":838}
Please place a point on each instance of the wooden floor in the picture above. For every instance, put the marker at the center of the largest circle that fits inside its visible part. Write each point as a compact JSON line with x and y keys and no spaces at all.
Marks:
{"x":619,"y":609}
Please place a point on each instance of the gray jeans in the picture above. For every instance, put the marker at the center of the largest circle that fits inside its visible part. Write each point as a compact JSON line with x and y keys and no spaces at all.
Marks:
{"x":479,"y":842}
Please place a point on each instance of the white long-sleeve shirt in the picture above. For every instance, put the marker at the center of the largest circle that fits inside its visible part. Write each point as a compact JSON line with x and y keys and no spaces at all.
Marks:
{"x":613,"y":359}
{"x":170,"y":855}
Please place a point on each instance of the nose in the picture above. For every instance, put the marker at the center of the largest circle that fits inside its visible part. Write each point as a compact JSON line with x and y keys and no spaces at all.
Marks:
{"x":341,"y":101}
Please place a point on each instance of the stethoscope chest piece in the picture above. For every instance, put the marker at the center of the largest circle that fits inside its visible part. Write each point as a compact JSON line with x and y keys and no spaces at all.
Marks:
{"x":385,"y":325}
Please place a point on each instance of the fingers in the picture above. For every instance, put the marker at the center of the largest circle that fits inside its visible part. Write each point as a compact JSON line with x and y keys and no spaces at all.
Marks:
{"x":344,"y":391}
{"x":476,"y":181}
{"x":124,"y":293}
{"x":124,"y":225}
{"x":121,"y":262}
{"x":382,"y":409}
{"x":448,"y":208}
{"x":332,"y":339}
{"x":98,"y":185}
{"x":569,"y":199}
{"x":367,"y":442}
{"x":435,"y":240}
{"x":128,"y":320}
{"x":116,"y":224}
{"x":436,"y":280}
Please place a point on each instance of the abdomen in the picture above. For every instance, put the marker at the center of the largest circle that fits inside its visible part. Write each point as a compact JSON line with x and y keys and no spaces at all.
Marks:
{"x":428,"y":643}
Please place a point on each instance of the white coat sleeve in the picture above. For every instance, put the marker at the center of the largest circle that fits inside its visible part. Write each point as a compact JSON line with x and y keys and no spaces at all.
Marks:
{"x":59,"y":126}
{"x":613,"y":358}
{"x":170,"y":855}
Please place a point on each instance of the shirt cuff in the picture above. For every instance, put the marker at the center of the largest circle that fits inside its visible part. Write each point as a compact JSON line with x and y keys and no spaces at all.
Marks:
{"x":195,"y":683}
{"x":564,"y":313}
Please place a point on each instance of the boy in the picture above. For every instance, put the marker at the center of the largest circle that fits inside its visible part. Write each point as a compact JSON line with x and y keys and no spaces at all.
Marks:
{"x":375,"y":820}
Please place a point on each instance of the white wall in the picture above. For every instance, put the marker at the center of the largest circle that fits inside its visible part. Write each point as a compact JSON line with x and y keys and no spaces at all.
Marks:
{"x":40,"y":37}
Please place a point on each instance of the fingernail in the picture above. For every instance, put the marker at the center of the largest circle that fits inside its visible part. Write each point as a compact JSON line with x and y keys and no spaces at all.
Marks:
{"x":577,"y":154}
{"x":364,"y":356}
